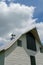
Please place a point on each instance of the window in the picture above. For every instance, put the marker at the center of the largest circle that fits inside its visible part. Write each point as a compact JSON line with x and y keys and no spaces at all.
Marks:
{"x":32,"y":59}
{"x":19,"y":43}
{"x":41,"y":49}
{"x":31,"y":41}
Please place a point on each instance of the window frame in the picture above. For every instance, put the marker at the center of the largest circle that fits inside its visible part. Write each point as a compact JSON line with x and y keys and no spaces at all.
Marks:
{"x":19,"y":43}
{"x":33,"y":60}
{"x":31,"y":42}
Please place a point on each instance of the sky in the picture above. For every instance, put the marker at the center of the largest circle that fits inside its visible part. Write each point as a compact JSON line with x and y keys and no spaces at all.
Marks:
{"x":17,"y":15}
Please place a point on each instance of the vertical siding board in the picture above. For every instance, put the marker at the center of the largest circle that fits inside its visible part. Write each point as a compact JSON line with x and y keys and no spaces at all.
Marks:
{"x":17,"y":56}
{"x":24,"y":44}
{"x":39,"y":58}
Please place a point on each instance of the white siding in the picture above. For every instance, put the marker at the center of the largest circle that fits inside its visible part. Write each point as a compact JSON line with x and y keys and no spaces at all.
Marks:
{"x":21,"y":55}
{"x":38,"y":46}
{"x":37,"y":54}
{"x":17,"y":56}
{"x":39,"y":58}
{"x":24,"y":44}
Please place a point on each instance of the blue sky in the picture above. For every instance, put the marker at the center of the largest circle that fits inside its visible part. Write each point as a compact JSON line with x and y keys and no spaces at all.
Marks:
{"x":37,"y":3}
{"x":39,"y":7}
{"x":13,"y":10}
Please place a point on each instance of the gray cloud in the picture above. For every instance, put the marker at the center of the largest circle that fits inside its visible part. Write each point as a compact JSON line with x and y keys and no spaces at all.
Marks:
{"x":40,"y":30}
{"x":14,"y":18}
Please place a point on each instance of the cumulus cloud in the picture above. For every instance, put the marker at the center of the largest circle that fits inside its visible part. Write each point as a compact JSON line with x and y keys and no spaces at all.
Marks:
{"x":2,"y":41}
{"x":7,"y":0}
{"x":14,"y":18}
{"x":40,"y":30}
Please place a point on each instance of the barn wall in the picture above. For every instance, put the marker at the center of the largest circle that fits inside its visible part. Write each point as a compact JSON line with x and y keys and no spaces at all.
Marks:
{"x":39,"y":58}
{"x":24,"y":44}
{"x":38,"y":46}
{"x":16,"y":56}
{"x":2,"y":56}
{"x":38,"y":55}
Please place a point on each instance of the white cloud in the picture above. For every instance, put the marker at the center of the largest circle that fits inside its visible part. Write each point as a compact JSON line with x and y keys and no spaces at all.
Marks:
{"x":40,"y":30}
{"x":3,"y":41}
{"x":15,"y":18}
{"x":7,"y":0}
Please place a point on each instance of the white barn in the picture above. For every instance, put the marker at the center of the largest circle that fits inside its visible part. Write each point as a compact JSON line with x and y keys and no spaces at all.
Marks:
{"x":23,"y":50}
